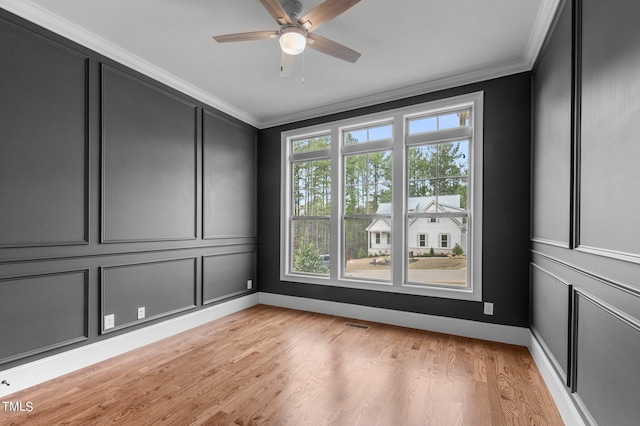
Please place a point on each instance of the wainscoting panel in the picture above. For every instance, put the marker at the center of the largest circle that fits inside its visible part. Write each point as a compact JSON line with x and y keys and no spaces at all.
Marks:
{"x":550,"y":309}
{"x":43,"y":141}
{"x":607,"y":373}
{"x":161,"y":287}
{"x":42,"y":312}
{"x":551,"y":162}
{"x":609,"y":148}
{"x":226,"y":275}
{"x":229,"y":178}
{"x":148,"y":162}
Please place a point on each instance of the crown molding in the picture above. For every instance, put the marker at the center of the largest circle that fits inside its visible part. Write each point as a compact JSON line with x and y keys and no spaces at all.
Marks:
{"x":472,"y":76}
{"x":541,"y":27}
{"x":44,"y":18}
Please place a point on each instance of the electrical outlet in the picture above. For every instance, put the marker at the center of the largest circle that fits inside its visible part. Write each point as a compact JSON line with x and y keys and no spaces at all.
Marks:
{"x":488,"y":308}
{"x":141,"y":312}
{"x":109,"y":321}
{"x":249,"y":284}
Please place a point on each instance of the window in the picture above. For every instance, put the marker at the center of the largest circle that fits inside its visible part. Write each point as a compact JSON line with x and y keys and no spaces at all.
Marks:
{"x":444,"y":240}
{"x":361,"y":197}
{"x":310,"y":205}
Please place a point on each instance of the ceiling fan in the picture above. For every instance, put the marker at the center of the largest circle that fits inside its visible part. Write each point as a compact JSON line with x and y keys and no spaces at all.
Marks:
{"x":296,"y":32}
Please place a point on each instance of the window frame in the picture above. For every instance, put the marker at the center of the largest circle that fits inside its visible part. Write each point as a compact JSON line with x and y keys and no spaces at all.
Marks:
{"x":399,"y":145}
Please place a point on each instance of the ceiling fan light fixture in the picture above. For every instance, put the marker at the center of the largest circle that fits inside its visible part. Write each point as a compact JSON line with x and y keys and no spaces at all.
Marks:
{"x":293,"y":40}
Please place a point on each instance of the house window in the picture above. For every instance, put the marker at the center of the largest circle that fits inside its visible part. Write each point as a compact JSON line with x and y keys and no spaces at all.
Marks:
{"x":349,"y":186}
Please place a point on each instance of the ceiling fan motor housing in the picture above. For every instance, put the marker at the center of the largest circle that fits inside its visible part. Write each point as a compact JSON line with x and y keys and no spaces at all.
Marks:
{"x":293,"y":9}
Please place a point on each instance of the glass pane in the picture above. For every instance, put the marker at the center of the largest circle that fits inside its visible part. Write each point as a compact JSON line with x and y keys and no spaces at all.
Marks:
{"x":423,"y":124}
{"x":453,"y":193}
{"x":422,"y":170}
{"x":311,"y":188}
{"x":439,"y":170}
{"x":450,"y":120}
{"x":367,"y":248}
{"x":312,"y":144}
{"x":453,"y":159}
{"x":368,"y":183}
{"x":368,"y":134}
{"x":443,"y":260}
{"x":311,"y":242}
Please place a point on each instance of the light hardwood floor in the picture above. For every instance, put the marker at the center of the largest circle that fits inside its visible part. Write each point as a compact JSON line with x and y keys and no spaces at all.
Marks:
{"x":274,"y":366}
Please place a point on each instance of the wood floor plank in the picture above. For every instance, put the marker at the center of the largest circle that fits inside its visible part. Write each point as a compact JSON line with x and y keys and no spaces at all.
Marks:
{"x":275,"y":366}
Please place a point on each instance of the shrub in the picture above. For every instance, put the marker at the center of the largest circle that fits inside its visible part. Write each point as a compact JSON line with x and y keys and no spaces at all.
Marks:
{"x":307,"y":259}
{"x":431,"y":252}
{"x":457,"y":250}
{"x":362,"y":253}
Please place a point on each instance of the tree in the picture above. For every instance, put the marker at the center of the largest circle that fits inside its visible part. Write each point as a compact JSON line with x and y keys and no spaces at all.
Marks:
{"x":439,"y":169}
{"x":307,"y":259}
{"x":457,"y":250}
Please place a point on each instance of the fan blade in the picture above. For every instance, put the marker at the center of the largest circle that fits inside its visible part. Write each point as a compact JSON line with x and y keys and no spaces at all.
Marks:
{"x":332,"y":48}
{"x":276,"y":10}
{"x":286,"y":64}
{"x":325,"y":12}
{"x":256,"y":35}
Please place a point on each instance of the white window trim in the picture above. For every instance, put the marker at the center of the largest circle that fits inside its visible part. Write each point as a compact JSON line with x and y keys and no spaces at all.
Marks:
{"x":398,"y":282}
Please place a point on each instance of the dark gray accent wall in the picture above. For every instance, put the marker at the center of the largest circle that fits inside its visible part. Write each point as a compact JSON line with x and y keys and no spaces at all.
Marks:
{"x":584,"y":238}
{"x":47,"y":83}
{"x":52,"y":307}
{"x":229,"y":166}
{"x":223,"y":274}
{"x":610,"y":129}
{"x":103,"y":173}
{"x":148,"y":162}
{"x":166,"y":286}
{"x":551,"y":196}
{"x":507,"y":134}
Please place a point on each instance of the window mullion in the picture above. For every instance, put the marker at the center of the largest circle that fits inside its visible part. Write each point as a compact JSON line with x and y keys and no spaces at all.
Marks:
{"x":337,"y":195}
{"x":398,"y":233}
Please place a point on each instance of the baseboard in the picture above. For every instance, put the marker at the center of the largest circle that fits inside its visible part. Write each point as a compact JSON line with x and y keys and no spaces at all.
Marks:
{"x":466,"y":328}
{"x":569,"y":412}
{"x":40,"y":371}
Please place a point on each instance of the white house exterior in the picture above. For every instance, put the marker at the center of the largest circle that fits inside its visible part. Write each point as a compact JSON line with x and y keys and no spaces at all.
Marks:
{"x":440,"y":233}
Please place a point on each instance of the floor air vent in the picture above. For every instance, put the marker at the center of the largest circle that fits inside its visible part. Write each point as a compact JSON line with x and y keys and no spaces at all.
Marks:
{"x":362,"y":326}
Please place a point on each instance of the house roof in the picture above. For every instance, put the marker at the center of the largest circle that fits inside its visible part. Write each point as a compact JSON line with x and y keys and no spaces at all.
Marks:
{"x":442,"y":203}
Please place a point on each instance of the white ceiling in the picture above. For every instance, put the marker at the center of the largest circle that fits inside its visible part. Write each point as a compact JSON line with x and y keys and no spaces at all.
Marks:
{"x":407,"y":46}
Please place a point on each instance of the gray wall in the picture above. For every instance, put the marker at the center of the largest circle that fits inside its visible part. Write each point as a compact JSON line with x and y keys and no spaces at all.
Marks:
{"x":116,"y":192}
{"x":507,"y":136}
{"x":585,"y":261}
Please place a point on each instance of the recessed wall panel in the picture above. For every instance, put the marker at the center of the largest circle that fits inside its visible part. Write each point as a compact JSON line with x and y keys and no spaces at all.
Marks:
{"x":550,"y":314}
{"x":43,"y":141}
{"x":161,"y":287}
{"x":551,"y":162}
{"x":610,"y":129}
{"x":148,"y":162}
{"x":607,"y":371}
{"x":226,"y":274}
{"x":229,"y":179}
{"x":42,"y":312}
